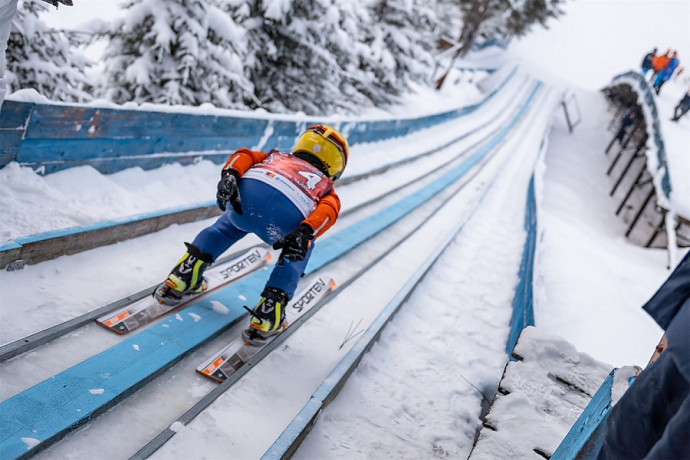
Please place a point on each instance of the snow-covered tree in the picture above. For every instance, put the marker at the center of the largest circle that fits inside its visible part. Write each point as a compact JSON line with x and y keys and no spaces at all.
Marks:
{"x":504,"y":18}
{"x":45,"y":59}
{"x":325,"y":56}
{"x":177,"y":52}
{"x":303,"y":54}
{"x":402,"y":38}
{"x":526,"y":13}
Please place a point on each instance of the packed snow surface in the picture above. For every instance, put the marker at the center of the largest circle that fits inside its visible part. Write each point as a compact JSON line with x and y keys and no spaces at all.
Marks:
{"x":546,"y":391}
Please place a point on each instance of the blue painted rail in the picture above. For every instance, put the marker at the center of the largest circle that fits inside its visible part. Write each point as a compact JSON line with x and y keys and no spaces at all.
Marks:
{"x":523,"y":302}
{"x":56,"y":137}
{"x":42,"y":414}
{"x":585,"y":438}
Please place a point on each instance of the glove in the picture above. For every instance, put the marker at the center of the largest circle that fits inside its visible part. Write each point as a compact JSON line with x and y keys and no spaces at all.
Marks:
{"x":228,"y":192}
{"x":295,"y":244}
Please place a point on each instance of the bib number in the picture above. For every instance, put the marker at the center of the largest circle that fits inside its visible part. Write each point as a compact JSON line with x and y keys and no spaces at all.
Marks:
{"x":312,"y":179}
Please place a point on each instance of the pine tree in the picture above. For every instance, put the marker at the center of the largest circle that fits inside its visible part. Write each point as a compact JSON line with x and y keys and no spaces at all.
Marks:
{"x":526,"y":13}
{"x":402,"y":39}
{"x":303,"y":54}
{"x":177,"y":52}
{"x":503,"y":18}
{"x":44,"y":59}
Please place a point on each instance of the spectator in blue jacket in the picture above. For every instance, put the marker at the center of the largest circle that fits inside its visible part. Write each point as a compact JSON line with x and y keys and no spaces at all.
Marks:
{"x":652,"y":419}
{"x":682,"y":107}
{"x":647,"y":62}
{"x":630,"y":116}
{"x":665,"y":75}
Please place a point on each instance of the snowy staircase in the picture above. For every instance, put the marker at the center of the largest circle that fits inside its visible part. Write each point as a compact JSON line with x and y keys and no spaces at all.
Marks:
{"x":540,"y":397}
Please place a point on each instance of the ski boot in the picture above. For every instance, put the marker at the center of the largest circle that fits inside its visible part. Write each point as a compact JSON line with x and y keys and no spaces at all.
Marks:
{"x":268,"y":317}
{"x":186,"y":278}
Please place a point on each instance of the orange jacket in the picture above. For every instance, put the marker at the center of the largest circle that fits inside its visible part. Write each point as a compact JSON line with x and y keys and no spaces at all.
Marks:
{"x":327,"y":210}
{"x":659,"y":63}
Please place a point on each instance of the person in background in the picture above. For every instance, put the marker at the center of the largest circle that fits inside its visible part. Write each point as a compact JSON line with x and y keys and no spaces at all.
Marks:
{"x":652,"y":418}
{"x":665,"y":74}
{"x":629,"y":117}
{"x":647,"y":62}
{"x":659,"y":63}
{"x":682,"y":107}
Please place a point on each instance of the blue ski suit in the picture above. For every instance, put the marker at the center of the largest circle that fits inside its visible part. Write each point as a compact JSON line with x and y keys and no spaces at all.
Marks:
{"x":273,"y":206}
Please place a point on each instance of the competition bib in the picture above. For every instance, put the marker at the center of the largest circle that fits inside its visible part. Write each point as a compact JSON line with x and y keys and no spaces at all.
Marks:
{"x":303,"y":184}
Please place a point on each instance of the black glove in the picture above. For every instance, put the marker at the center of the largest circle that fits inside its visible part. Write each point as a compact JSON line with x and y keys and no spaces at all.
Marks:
{"x":227,"y":191}
{"x":295,"y":244}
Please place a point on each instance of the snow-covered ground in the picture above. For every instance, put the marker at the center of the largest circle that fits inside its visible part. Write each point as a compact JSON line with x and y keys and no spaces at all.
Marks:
{"x":677,"y":142}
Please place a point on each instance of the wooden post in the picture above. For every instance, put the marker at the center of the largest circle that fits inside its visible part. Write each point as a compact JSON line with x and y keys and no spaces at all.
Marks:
{"x":639,"y":213}
{"x":632,"y":188}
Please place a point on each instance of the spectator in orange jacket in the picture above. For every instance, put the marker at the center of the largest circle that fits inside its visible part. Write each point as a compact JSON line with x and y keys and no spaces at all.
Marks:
{"x":659,"y":63}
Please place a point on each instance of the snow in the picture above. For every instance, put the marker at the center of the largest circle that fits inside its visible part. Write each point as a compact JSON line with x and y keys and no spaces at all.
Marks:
{"x":176,"y":427}
{"x":676,"y":137}
{"x":544,"y":394}
{"x":621,"y":382}
{"x":82,"y":195}
{"x":195,"y":317}
{"x":136,"y":347}
{"x":30,"y":442}
{"x":219,"y":307}
{"x":96,"y":391}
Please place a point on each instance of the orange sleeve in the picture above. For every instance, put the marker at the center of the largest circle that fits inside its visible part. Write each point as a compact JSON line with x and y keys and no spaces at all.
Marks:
{"x":325,"y":214}
{"x":244,"y":159}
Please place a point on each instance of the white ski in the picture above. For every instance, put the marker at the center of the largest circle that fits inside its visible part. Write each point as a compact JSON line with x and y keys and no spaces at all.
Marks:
{"x":147,"y":309}
{"x":223,"y":364}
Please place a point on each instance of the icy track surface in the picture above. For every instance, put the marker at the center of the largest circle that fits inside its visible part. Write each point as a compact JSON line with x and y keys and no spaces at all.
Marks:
{"x":419,"y":392}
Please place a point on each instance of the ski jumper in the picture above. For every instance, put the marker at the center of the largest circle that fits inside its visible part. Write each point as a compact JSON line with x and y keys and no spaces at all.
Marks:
{"x":279,"y":193}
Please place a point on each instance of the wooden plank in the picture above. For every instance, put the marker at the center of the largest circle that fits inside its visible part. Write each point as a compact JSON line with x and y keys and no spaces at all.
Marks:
{"x":14,"y":115}
{"x":50,"y":245}
{"x":52,"y":150}
{"x":111,"y":165}
{"x":75,"y":122}
{"x":10,"y":140}
{"x":588,"y":427}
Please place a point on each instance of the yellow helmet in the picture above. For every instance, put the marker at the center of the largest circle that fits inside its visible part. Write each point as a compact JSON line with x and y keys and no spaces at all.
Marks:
{"x":326,"y":144}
